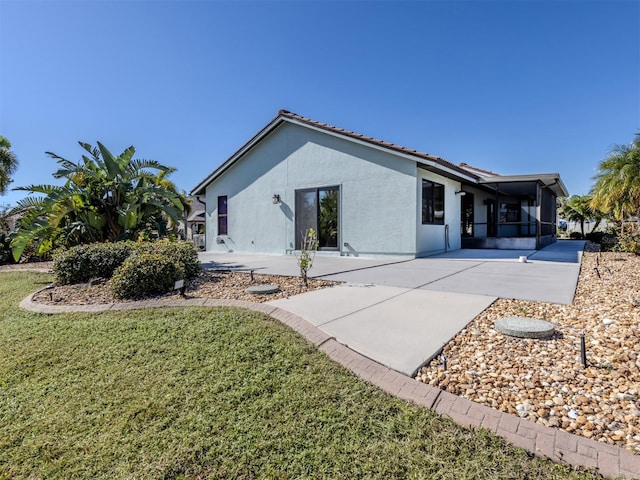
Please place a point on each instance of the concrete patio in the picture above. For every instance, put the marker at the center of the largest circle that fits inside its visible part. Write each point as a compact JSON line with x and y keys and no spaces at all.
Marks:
{"x":400,"y":312}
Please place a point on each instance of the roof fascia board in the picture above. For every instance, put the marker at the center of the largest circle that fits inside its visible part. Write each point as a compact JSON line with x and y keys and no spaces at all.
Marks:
{"x":282,"y":118}
{"x":556,"y":181}
{"x":272,"y":125}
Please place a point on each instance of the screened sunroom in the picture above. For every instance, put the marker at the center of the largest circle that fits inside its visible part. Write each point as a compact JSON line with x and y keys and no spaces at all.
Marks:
{"x":517,"y":212}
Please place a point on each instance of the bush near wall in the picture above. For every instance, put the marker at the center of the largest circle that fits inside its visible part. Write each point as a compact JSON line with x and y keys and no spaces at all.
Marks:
{"x":145,"y":274}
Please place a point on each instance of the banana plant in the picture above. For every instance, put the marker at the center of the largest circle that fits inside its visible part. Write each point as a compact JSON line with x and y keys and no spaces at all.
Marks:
{"x":104,"y":198}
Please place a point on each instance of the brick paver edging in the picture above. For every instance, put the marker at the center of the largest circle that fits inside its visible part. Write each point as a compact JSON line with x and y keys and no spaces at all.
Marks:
{"x":552,"y":443}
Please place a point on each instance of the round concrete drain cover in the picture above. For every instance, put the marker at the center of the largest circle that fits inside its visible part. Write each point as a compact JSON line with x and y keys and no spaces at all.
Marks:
{"x":524,"y":327}
{"x":262,"y":289}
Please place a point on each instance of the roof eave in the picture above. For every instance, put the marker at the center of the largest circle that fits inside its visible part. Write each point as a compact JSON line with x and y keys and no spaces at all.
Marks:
{"x":363,"y":141}
{"x":283,"y":116}
{"x":550,"y":180}
{"x":200,"y":189}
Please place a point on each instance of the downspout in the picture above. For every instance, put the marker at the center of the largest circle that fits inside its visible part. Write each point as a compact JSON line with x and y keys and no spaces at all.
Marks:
{"x":538,"y":216}
{"x":446,"y":238}
{"x":496,"y":210}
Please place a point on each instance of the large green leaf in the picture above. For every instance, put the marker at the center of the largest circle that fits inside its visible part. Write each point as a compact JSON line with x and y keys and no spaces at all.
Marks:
{"x":25,"y":234}
{"x":104,"y":197}
{"x":95,"y":220}
{"x":129,"y":218}
{"x":113,"y":165}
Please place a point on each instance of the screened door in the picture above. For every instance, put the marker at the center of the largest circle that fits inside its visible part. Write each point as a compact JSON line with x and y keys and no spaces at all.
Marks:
{"x":318,"y":208}
{"x":467,"y":215}
{"x":491,"y":217}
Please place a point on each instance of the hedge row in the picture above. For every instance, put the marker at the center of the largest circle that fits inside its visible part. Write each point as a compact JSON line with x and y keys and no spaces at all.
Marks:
{"x":84,"y":262}
{"x":135,"y":269}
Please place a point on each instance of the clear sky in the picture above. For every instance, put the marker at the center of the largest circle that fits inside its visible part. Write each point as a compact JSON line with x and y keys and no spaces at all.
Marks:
{"x":517,"y":86}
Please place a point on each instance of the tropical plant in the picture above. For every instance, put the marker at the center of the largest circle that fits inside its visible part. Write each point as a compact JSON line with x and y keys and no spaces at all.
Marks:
{"x":5,"y":226}
{"x":8,"y":164}
{"x":307,"y":254}
{"x":577,"y":208}
{"x":5,"y":235}
{"x":104,"y":198}
{"x":328,"y":219}
{"x":617,"y":187}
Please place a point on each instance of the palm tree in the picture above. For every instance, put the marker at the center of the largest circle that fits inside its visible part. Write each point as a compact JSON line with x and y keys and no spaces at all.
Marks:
{"x":577,"y":208}
{"x":617,"y":187}
{"x":8,"y":164}
{"x":104,"y":198}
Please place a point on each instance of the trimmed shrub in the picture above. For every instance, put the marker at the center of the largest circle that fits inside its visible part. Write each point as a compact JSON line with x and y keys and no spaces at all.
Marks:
{"x":609,"y":242}
{"x":595,"y":237}
{"x":629,"y":242}
{"x":84,"y":262}
{"x":145,"y":274}
{"x":575,"y":236}
{"x":184,"y":253}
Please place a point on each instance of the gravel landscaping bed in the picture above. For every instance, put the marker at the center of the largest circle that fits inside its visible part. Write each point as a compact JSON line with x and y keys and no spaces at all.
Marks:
{"x":544,"y":380}
{"x":209,"y":284}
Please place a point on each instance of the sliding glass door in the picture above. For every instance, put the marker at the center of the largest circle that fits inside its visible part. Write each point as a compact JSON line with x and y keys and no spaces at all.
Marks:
{"x":318,"y":208}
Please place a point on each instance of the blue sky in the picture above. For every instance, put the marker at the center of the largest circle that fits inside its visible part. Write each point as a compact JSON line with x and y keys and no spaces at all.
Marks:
{"x":516,"y":86}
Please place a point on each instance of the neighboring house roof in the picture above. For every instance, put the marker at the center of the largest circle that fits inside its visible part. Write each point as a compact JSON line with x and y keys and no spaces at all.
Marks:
{"x":462,"y":172}
{"x":424,"y":159}
{"x":196,"y":217}
{"x":197,"y":210}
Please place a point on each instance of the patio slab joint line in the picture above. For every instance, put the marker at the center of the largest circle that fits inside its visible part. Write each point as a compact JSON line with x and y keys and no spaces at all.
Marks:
{"x":408,"y":289}
{"x":362,"y":268}
{"x":453,"y":274}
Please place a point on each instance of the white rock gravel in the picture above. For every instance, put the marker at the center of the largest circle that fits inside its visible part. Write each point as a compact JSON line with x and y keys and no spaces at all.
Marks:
{"x":544,"y":380}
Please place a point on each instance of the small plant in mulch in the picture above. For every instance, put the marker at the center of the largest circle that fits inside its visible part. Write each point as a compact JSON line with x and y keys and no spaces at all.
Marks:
{"x":307,"y":254}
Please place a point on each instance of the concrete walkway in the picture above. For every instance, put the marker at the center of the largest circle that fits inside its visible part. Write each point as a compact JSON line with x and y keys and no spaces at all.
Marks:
{"x":401,"y":328}
{"x":401,"y":311}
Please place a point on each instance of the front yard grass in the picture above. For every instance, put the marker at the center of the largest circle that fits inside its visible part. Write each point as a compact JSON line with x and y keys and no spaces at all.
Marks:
{"x":211,"y":393}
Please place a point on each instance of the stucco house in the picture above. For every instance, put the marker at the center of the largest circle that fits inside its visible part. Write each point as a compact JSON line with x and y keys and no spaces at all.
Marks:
{"x":366,"y":197}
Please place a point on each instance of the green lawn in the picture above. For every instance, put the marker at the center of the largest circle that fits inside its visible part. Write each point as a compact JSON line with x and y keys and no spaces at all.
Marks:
{"x":211,"y":393}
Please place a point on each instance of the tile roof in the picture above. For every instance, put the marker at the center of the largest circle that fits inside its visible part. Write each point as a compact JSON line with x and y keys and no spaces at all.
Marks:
{"x":481,"y":171}
{"x":381,"y":143}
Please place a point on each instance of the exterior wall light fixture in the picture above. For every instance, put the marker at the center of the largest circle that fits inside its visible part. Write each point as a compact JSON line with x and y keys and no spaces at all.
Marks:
{"x":275,"y":199}
{"x":461,"y":193}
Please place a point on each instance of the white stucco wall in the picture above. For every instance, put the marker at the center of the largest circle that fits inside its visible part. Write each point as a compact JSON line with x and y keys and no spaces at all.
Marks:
{"x":431,"y":239}
{"x":378,"y":195}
